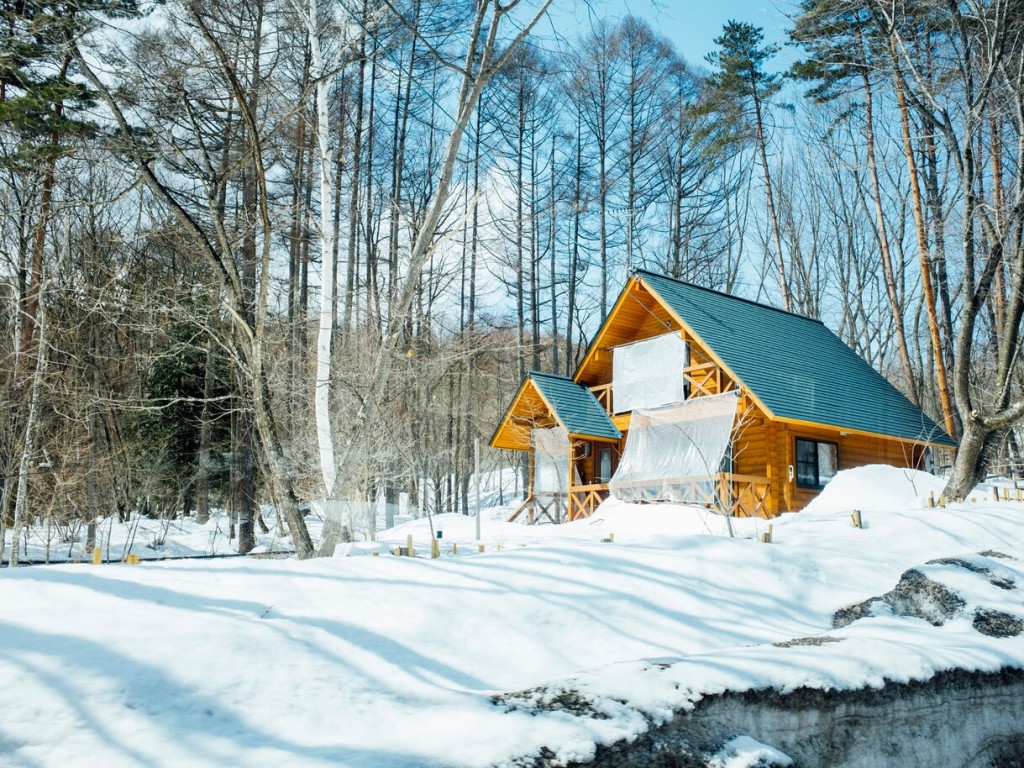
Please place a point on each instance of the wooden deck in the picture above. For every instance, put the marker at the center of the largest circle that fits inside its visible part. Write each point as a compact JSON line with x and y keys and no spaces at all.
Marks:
{"x":727,"y":494}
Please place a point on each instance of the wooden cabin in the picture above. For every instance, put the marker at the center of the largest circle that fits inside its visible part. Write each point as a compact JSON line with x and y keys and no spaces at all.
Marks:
{"x":806,"y":404}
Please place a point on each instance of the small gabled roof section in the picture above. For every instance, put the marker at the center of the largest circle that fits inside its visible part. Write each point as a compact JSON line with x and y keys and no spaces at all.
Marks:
{"x":795,"y":367}
{"x":545,"y":399}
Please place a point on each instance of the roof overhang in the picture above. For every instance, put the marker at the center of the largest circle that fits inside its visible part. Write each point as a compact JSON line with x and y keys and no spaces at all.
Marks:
{"x":528,"y":410}
{"x":532,"y":409}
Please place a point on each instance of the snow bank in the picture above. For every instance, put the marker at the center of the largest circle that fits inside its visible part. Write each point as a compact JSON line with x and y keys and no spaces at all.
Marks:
{"x":388,"y":661}
{"x":876,"y":487}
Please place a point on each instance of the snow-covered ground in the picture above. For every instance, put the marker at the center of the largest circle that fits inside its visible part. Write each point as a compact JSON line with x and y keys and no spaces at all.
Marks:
{"x":393,"y":661}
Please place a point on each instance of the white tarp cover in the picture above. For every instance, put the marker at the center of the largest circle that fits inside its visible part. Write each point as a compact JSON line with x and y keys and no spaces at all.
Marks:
{"x":550,"y":460}
{"x":649,"y":373}
{"x":669,"y":449}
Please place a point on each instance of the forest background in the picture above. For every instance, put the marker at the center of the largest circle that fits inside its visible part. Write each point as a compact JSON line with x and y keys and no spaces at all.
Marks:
{"x":278,"y":251}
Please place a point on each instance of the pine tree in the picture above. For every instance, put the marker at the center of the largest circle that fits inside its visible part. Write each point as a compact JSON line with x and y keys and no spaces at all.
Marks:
{"x":740,"y":89}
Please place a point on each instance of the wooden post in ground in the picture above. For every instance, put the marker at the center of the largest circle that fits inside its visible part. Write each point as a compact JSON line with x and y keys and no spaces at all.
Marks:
{"x":97,"y":556}
{"x":408,"y":546}
{"x":476,"y":483}
{"x":857,"y":522}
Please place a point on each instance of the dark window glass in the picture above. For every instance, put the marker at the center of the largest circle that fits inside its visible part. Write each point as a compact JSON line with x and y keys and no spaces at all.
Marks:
{"x":807,"y":463}
{"x":816,"y":462}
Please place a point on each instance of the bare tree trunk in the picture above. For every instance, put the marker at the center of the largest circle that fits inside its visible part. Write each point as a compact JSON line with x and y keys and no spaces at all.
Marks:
{"x":205,"y":437}
{"x":353,"y":209}
{"x":773,"y":218}
{"x":895,"y":301}
{"x":31,"y":427}
{"x":938,"y":356}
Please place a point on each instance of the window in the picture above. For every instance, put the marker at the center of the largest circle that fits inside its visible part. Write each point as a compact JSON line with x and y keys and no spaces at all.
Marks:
{"x":604,"y":470}
{"x":816,"y":462}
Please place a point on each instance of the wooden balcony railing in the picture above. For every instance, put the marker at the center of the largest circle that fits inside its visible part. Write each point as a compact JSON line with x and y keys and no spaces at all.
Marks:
{"x":584,"y":499}
{"x":703,"y":378}
{"x":726,"y":493}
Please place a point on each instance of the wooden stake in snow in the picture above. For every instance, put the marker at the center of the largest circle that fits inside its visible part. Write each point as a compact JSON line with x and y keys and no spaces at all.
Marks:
{"x":435,"y":550}
{"x":97,"y":556}
{"x":931,"y":499}
{"x":476,"y":483}
{"x":857,"y":522}
{"x":409,"y":551}
{"x":766,"y":538}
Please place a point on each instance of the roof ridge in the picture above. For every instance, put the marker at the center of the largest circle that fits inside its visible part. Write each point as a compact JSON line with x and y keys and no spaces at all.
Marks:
{"x":532,"y":372}
{"x":730,"y":296}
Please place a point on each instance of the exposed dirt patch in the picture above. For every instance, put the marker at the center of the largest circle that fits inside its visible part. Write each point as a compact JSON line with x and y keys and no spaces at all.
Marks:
{"x":915,"y":595}
{"x":997,"y":555}
{"x":997,"y":623}
{"x":1003,"y":582}
{"x":816,"y":640}
{"x":959,"y":563}
{"x":550,"y":700}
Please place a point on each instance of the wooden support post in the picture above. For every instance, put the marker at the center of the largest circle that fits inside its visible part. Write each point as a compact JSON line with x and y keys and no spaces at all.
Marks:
{"x":995,"y":494}
{"x":408,"y":546}
{"x":931,"y":499}
{"x":435,"y":549}
{"x":766,"y":538}
{"x":1006,"y":494}
{"x":97,"y":555}
{"x":1018,"y":495}
{"x":857,"y":521}
{"x":455,"y":548}
{"x":480,"y":548}
{"x":133,"y":559}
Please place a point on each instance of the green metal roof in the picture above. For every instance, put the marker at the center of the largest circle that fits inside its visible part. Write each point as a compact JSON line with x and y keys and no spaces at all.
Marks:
{"x":575,"y":406}
{"x":794,"y":365}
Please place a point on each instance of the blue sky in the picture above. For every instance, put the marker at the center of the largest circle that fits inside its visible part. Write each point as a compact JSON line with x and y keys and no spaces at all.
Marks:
{"x":691,"y":24}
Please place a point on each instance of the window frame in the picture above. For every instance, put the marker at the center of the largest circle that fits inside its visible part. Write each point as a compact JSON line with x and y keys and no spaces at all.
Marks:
{"x":817,"y":461}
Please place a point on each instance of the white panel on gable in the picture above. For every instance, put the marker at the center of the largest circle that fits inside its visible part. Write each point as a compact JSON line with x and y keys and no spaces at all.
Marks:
{"x":649,"y":373}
